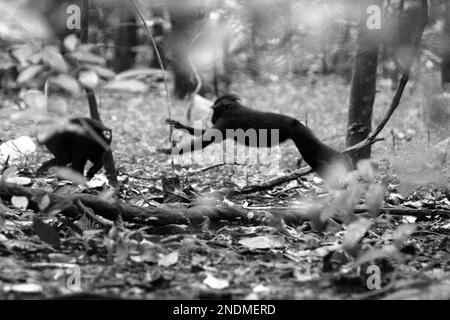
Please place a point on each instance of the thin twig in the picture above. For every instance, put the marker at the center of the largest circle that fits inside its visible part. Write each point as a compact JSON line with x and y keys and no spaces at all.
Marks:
{"x":161,"y":64}
{"x":144,"y":198}
{"x":144,"y":178}
{"x":403,"y":211}
{"x":211,"y":167}
{"x":184,"y":175}
{"x":271,"y":183}
{"x":90,"y":213}
{"x":20,"y":151}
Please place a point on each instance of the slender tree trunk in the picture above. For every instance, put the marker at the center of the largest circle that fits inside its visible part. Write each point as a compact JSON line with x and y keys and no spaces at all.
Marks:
{"x":362,"y":95}
{"x":93,"y":108}
{"x":222,"y":67}
{"x":185,"y":17}
{"x":108,"y":158}
{"x":445,"y":68}
{"x":85,"y":21}
{"x":160,"y":34}
{"x":253,"y":59}
{"x":125,"y":39}
{"x":257,"y":14}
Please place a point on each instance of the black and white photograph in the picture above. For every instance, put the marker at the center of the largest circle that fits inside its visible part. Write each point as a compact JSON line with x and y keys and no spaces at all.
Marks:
{"x":223,"y":156}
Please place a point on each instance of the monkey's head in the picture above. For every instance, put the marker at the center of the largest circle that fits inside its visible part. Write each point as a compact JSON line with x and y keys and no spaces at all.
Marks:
{"x":224,"y":103}
{"x":228,"y":99}
{"x":93,"y":129}
{"x":107,"y":135}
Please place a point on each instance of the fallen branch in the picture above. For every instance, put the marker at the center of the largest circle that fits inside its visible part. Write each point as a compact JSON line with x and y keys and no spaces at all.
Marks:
{"x":187,"y":174}
{"x":397,"y":211}
{"x":271,"y":183}
{"x":75,"y":204}
{"x":402,"y":211}
{"x":90,"y":213}
{"x":111,"y":210}
{"x":214,"y":166}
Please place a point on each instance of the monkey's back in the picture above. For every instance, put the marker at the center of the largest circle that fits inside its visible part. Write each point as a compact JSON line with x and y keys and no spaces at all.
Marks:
{"x":69,"y":144}
{"x":240,"y":117}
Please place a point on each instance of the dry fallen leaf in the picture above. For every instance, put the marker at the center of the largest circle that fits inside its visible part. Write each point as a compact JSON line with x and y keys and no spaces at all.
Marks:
{"x":215,"y":283}
{"x":23,"y":181}
{"x":44,"y":202}
{"x":168,"y":260}
{"x":263,"y":242}
{"x":19,"y":202}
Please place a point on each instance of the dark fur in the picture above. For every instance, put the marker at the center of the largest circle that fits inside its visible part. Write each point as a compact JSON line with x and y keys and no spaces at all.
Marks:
{"x":230,"y":114}
{"x":75,"y":148}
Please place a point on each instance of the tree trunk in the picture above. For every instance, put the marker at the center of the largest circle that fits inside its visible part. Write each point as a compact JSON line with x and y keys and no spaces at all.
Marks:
{"x":160,"y":34}
{"x":362,"y":95}
{"x":222,"y":66}
{"x":253,"y":59}
{"x":184,"y":19}
{"x":257,"y":14}
{"x":125,"y":39}
{"x":445,"y":68}
{"x":93,"y":108}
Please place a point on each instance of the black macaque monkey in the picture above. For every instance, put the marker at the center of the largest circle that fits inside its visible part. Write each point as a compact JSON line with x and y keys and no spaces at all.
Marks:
{"x":75,"y":147}
{"x":230,"y":114}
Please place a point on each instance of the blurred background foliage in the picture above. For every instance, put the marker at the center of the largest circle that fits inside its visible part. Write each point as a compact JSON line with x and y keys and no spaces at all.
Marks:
{"x":221,"y":42}
{"x":262,"y":38}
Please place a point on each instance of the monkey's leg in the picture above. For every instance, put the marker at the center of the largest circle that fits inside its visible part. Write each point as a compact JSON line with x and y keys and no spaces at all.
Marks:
{"x":94,"y":169}
{"x":319,"y":156}
{"x":78,"y":164}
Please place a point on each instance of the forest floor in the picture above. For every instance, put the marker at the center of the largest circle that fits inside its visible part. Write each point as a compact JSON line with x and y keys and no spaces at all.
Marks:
{"x":238,"y":260}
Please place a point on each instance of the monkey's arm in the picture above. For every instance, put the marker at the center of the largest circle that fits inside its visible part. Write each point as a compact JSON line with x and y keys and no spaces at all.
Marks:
{"x":209,"y":136}
{"x":180,"y":126}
